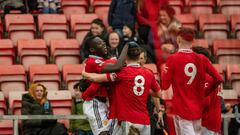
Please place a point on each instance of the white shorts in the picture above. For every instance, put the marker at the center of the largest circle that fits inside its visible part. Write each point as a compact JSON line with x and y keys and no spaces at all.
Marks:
{"x":96,"y":113}
{"x":126,"y":127}
{"x":187,"y":127}
{"x":206,"y":131}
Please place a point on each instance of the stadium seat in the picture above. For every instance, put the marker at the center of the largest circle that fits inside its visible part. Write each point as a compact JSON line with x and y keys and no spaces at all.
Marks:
{"x":187,"y":20}
{"x":52,"y":26}
{"x":101,"y":7}
{"x":12,"y":78}
{"x":153,"y":67}
{"x":20,"y":26}
{"x":198,"y":7}
{"x":230,"y":96}
{"x":61,"y":102}
{"x":48,"y":75}
{"x":229,"y":7}
{"x":177,"y":5}
{"x":6,"y":127}
{"x":213,"y":26}
{"x":65,"y":52}
{"x":7,"y":54}
{"x":201,"y":42}
{"x":32,"y":52}
{"x":15,"y":101}
{"x":80,"y":25}
{"x":233,"y":76}
{"x":72,"y":74}
{"x":235,"y":25}
{"x":227,"y":52}
{"x":70,"y":7}
{"x":3,"y":106}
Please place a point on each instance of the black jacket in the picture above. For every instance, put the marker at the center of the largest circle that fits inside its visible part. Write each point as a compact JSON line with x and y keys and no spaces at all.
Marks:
{"x":39,"y":127}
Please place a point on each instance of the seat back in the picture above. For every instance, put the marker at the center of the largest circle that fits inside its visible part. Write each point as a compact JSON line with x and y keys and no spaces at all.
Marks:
{"x":32,"y":52}
{"x":198,"y":7}
{"x":187,"y":20}
{"x":48,"y":75}
{"x":7,"y":53}
{"x":229,"y":7}
{"x":12,"y":78}
{"x":64,"y":52}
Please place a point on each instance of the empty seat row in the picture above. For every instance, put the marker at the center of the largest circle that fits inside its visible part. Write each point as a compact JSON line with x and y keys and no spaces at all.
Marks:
{"x":51,"y":26}
{"x":36,"y":52}
{"x":197,"y":7}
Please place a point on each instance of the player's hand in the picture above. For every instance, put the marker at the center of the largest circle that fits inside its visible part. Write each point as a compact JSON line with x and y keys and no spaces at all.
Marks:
{"x":160,"y":117}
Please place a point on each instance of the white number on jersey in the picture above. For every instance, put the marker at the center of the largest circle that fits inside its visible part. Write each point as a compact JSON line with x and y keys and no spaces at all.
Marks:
{"x":191,"y":74}
{"x":139,"y":82}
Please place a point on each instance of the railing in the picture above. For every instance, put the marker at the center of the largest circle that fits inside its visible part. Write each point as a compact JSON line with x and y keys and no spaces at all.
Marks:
{"x":16,"y":118}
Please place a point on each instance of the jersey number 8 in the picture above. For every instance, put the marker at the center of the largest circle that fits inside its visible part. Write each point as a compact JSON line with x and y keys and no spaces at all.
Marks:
{"x":191,"y":74}
{"x":139,"y":82}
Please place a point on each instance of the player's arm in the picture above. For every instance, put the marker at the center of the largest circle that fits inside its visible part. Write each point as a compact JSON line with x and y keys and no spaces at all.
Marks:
{"x":109,"y":68}
{"x":91,"y":91}
{"x":95,"y":77}
{"x":166,"y":75}
{"x":217,"y":79}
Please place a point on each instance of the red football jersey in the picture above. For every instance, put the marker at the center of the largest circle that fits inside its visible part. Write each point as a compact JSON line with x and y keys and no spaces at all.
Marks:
{"x":186,"y":71}
{"x":94,"y":65}
{"x":133,"y":84}
{"x":212,"y":109}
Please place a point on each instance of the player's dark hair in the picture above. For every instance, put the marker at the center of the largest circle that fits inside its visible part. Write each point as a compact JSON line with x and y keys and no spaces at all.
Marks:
{"x":82,"y":85}
{"x":134,"y":53}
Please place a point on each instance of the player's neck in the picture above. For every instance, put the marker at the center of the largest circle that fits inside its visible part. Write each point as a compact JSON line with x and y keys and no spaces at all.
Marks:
{"x":129,"y":62}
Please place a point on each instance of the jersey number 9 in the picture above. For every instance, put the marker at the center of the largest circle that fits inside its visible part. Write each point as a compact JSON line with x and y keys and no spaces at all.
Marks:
{"x":191,"y":73}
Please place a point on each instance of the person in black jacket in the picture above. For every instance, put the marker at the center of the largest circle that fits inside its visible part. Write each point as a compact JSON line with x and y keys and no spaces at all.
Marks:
{"x":120,"y":13}
{"x":36,"y":103}
{"x":97,"y":30}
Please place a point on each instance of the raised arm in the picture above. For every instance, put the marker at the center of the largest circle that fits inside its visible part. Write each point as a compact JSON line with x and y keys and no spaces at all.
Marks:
{"x":95,"y":77}
{"x":108,"y":68}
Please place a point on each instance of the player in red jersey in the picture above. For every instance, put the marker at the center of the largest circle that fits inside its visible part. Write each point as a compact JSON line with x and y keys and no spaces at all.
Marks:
{"x":95,"y":107}
{"x":133,"y":84}
{"x":185,"y":71}
{"x":211,"y":119}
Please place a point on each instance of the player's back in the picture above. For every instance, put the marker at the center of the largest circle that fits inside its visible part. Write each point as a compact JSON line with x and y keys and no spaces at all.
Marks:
{"x":188,"y":77}
{"x":132,"y":89}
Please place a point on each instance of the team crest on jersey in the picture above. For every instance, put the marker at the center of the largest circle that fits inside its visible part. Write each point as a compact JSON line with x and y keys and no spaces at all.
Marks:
{"x":105,"y":122}
{"x":98,"y":61}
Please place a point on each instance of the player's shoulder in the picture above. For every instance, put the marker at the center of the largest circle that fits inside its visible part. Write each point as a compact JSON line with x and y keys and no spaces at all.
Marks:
{"x":94,"y":61}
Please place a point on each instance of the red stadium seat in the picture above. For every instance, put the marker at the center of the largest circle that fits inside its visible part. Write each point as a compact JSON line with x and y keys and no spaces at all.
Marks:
{"x":3,"y":106}
{"x":70,"y":7}
{"x":153,"y":67}
{"x":230,"y":96}
{"x":233,"y":76}
{"x":61,"y":102}
{"x":201,"y":42}
{"x":64,"y":52}
{"x":80,"y":25}
{"x":187,"y":20}
{"x":229,"y":7}
{"x":32,"y":52}
{"x":227,"y":52}
{"x":235,"y":24}
{"x":101,"y":7}
{"x":6,"y":127}
{"x":177,"y":5}
{"x":48,"y":75}
{"x":20,"y":26}
{"x":72,"y":74}
{"x":52,"y":26}
{"x":7,"y":54}
{"x":15,"y":101}
{"x":213,"y":27}
{"x":198,"y":7}
{"x":12,"y":78}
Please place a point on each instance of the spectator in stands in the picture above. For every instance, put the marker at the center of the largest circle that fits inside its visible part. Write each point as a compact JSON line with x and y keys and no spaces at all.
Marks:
{"x":234,"y":125}
{"x":48,"y":6}
{"x":147,"y":14}
{"x":114,"y":44}
{"x":120,"y":13}
{"x":129,"y":34}
{"x":8,"y":5}
{"x":79,"y":127}
{"x":35,"y":102}
{"x":97,"y":29}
